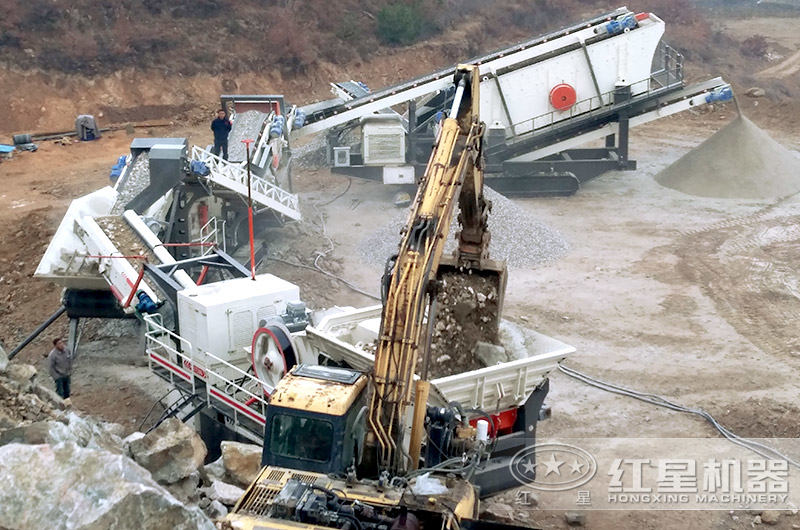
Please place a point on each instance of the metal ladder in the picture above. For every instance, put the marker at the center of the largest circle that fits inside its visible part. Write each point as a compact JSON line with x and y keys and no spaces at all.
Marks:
{"x":194,"y":403}
{"x":233,"y":176}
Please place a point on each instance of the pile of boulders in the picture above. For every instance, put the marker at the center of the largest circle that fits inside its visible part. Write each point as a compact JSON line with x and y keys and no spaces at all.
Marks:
{"x":64,"y":470}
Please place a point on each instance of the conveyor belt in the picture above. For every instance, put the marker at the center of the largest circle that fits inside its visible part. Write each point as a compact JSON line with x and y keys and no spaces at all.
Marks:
{"x":446,"y":74}
{"x":247,"y":125}
{"x":136,"y":179}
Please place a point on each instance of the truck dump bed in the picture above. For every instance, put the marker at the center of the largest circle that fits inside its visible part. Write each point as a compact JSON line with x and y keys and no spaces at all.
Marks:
{"x":530,"y":357}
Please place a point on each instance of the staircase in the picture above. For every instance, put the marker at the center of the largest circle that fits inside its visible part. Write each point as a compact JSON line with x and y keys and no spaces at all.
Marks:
{"x":184,"y":408}
{"x":233,"y":176}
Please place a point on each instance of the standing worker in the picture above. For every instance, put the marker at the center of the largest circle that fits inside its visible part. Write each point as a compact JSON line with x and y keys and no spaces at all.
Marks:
{"x":60,"y":363}
{"x":221,"y":127}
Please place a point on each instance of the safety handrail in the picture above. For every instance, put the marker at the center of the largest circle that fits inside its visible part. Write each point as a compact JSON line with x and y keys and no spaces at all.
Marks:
{"x":255,"y":403}
{"x":212,"y":232}
{"x":263,"y":191}
{"x":154,"y":332}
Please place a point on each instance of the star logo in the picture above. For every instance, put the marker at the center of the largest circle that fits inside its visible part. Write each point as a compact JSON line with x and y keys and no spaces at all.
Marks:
{"x":553,"y":465}
{"x":539,"y":466}
{"x":529,"y":467}
{"x":576,"y":467}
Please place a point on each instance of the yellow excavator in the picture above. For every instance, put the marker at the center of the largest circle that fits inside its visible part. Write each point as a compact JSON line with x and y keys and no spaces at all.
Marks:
{"x":342,"y":448}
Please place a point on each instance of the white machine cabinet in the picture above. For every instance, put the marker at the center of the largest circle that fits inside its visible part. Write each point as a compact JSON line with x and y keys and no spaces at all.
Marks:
{"x":220,"y":318}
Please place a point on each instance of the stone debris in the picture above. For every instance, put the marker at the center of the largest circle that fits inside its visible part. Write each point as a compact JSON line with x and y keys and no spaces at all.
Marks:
{"x":467,"y":313}
{"x":311,"y":155}
{"x":516,"y":236}
{"x":770,"y":517}
{"x":171,"y":452}
{"x":575,"y":518}
{"x":69,"y":428}
{"x":137,"y":179}
{"x":227,"y":494}
{"x":47,"y":449}
{"x":242,"y":461}
{"x":68,"y":486}
{"x":24,"y":399}
{"x":124,"y":238}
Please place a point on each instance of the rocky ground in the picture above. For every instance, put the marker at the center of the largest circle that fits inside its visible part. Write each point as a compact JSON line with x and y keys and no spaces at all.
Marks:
{"x":99,"y":479}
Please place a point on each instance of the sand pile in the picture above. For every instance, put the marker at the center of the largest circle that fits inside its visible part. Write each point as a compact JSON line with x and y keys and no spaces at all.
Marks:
{"x":740,"y":161}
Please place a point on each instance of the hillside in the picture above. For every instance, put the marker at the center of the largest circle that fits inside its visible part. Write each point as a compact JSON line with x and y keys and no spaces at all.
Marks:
{"x":141,"y":60}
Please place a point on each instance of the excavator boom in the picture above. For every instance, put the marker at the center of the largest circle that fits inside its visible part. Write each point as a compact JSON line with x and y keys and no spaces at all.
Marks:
{"x":454,"y":175}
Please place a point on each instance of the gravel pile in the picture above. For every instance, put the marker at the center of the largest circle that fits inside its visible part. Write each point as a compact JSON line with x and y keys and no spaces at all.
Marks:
{"x":135,"y":182}
{"x":246,"y":126}
{"x":517,"y":237}
{"x":312,"y":155}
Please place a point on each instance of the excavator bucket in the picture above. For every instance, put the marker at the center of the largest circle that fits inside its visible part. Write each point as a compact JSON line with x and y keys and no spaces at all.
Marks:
{"x":466,"y":310}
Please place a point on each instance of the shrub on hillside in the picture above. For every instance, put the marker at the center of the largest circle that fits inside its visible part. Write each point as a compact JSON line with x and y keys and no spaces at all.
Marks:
{"x":755,"y":46}
{"x":400,"y":23}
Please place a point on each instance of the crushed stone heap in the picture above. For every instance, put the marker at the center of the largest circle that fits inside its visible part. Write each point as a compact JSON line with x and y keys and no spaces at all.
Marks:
{"x":517,"y":237}
{"x":740,"y":161}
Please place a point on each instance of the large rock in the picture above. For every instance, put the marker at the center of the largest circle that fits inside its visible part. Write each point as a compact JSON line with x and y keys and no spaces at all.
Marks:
{"x":186,"y":490}
{"x":227,"y":494}
{"x":48,"y":395}
{"x":171,"y":452}
{"x":213,"y":471}
{"x":67,"y":486}
{"x":18,"y":403}
{"x":21,"y":373}
{"x":242,"y":461}
{"x":497,"y":511}
{"x":32,"y":434}
{"x":84,"y":432}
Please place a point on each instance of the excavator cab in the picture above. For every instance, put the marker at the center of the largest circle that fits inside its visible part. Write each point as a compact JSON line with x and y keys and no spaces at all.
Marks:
{"x":316,"y":420}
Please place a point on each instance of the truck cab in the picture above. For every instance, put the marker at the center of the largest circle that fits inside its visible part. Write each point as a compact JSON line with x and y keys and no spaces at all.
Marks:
{"x":316,"y":420}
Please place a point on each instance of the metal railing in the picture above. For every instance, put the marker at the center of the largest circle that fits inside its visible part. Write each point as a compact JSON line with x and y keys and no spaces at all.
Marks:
{"x":234,"y":176}
{"x":236,"y":393}
{"x":212,"y":232}
{"x":170,"y":351}
{"x":666,"y":74}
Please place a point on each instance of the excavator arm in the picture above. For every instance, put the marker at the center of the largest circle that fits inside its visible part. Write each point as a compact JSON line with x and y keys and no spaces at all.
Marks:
{"x":454,"y":175}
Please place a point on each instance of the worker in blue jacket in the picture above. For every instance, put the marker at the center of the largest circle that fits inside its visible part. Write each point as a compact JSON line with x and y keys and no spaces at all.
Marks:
{"x":221,"y":127}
